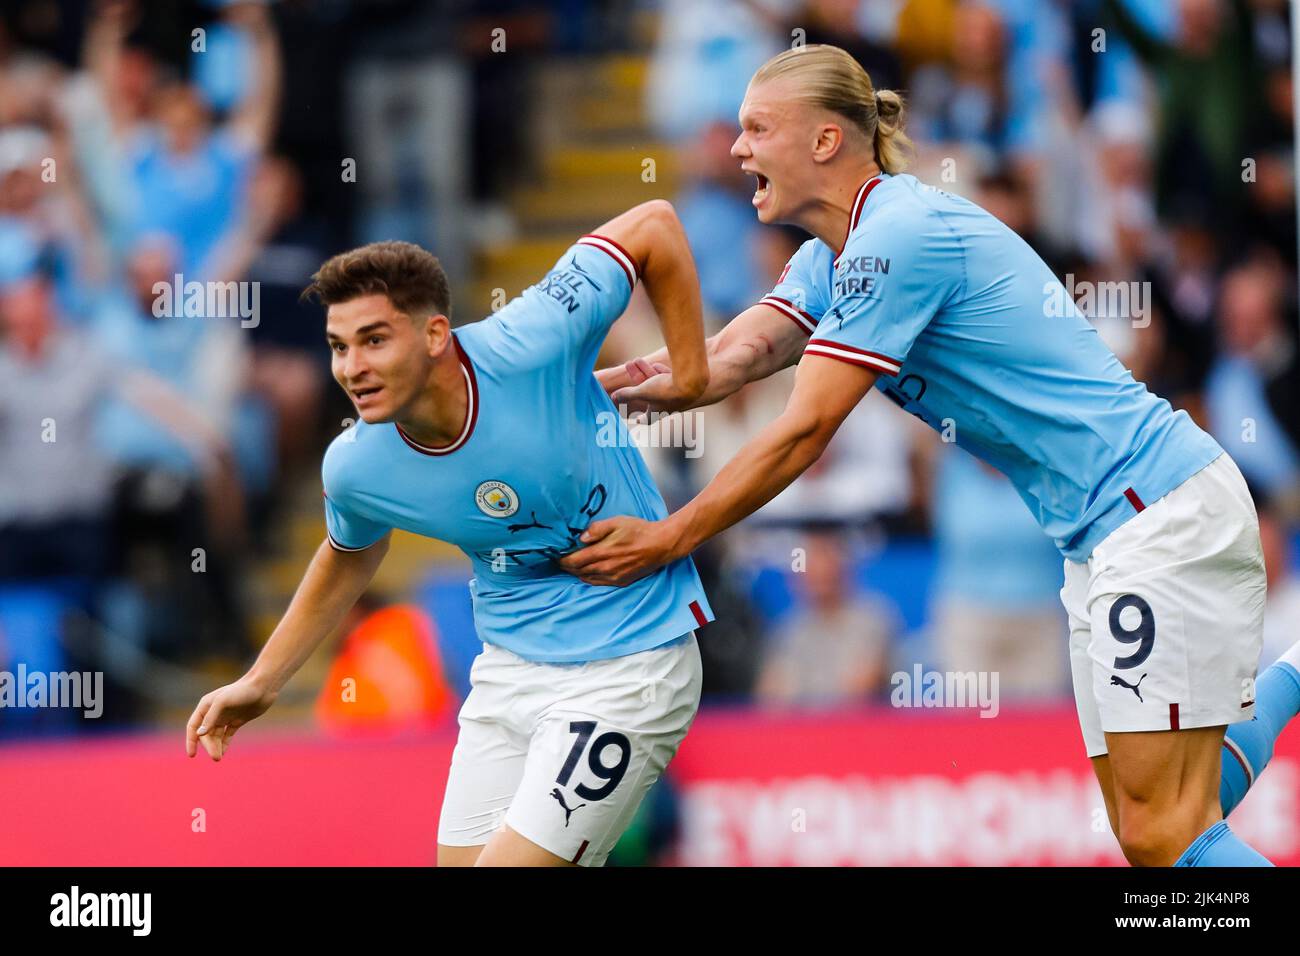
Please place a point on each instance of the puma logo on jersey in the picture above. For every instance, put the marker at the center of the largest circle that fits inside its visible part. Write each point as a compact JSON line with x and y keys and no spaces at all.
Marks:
{"x":532,"y":524}
{"x":568,"y":812}
{"x":1117,"y":681}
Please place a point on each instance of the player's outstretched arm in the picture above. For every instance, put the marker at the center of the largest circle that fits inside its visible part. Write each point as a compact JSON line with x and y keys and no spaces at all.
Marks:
{"x":621,"y":550}
{"x":653,"y":236}
{"x":755,"y":344}
{"x":332,"y":584}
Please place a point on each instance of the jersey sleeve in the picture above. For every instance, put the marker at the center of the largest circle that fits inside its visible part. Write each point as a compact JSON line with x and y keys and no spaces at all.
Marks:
{"x":346,"y":529}
{"x":796,"y":295}
{"x":349,"y":531}
{"x":570,"y":310}
{"x":888,"y":283}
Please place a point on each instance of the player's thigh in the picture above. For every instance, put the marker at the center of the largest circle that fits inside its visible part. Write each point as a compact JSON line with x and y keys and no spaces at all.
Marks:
{"x":460,"y":855}
{"x":1166,"y":790}
{"x":486,"y":768}
{"x":486,"y":765}
{"x":508,"y":848}
{"x":1101,"y":768}
{"x":598,"y":750}
{"x":1161,"y":769}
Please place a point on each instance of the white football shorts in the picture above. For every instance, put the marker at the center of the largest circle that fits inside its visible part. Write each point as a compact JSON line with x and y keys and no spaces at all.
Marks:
{"x":564,"y":753}
{"x":1167,"y":615}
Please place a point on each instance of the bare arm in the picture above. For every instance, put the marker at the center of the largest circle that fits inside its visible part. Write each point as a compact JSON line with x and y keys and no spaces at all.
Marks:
{"x":755,"y":344}
{"x":624,"y":549}
{"x":653,"y":236}
{"x":255,"y":120}
{"x":102,"y":51}
{"x":1146,"y":46}
{"x":171,"y":409}
{"x":262,"y":214}
{"x":333,"y":582}
{"x":825,"y":391}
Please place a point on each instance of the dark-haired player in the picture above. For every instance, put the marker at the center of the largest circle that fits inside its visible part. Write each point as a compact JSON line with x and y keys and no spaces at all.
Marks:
{"x":489,"y":437}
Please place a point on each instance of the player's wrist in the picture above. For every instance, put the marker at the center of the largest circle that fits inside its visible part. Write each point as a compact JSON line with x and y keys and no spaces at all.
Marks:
{"x":266,"y":683}
{"x":680,"y":536}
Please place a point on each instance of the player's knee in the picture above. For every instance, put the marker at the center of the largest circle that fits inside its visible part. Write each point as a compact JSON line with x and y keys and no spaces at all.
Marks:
{"x":1151,"y":834}
{"x":1145,"y":842}
{"x":1113,"y":818}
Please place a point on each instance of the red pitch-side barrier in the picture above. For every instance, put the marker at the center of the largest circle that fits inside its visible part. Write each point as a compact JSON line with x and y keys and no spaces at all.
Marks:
{"x":870,"y":787}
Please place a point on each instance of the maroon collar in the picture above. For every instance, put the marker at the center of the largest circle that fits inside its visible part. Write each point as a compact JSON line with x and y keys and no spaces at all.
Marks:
{"x":471,"y":410}
{"x":859,"y":203}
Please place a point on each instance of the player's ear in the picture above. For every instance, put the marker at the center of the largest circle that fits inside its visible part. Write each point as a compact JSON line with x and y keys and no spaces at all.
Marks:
{"x":437,"y":334}
{"x":830,"y":137}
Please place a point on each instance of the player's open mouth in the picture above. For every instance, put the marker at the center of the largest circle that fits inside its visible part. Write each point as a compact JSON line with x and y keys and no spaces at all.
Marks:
{"x":362,"y":396}
{"x":761,"y":191}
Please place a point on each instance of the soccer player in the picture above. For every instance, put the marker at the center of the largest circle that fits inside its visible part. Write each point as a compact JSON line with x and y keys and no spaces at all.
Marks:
{"x":496,"y":437}
{"x":955,"y":319}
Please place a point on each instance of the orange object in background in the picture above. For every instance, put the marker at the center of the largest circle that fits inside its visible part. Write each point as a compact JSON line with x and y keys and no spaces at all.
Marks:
{"x":387,"y":674}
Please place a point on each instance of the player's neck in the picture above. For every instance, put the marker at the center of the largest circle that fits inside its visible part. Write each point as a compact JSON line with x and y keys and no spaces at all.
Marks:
{"x":438,"y":416}
{"x":828,"y":216}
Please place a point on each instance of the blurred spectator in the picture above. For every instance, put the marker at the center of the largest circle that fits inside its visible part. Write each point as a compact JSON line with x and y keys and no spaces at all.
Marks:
{"x":1207,"y":76}
{"x":386,"y":673}
{"x":1183,"y":272}
{"x":56,"y":485}
{"x":39,"y":207}
{"x":1118,"y":76}
{"x":1116,"y":216}
{"x":279,"y":244}
{"x":200,"y":357}
{"x":318,"y":42}
{"x":720,"y":225}
{"x":1253,"y":391}
{"x":186,"y":176}
{"x":998,"y":603}
{"x":703,"y":60}
{"x":1268,"y":157}
{"x":190,"y":181}
{"x":409,"y":121}
{"x":840,"y":23}
{"x":835,"y":647}
{"x":967,"y":100}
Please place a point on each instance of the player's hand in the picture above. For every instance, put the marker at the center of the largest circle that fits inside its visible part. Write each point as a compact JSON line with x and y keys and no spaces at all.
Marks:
{"x":222,"y":712}
{"x":658,"y":393}
{"x":630,"y":373}
{"x":621,"y":550}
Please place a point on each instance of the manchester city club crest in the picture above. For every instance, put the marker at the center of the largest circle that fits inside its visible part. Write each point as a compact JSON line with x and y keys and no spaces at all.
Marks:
{"x":496,"y":499}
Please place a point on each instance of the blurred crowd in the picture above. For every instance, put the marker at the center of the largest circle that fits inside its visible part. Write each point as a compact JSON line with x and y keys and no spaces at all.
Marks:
{"x":150,"y":438}
{"x":148,"y":455}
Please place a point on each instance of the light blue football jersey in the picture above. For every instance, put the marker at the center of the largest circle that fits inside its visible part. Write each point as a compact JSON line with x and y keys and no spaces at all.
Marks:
{"x":974,"y":335}
{"x":543,"y":454}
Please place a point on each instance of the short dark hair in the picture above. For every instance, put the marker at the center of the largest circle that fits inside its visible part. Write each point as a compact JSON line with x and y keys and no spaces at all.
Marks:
{"x":411,"y":277}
